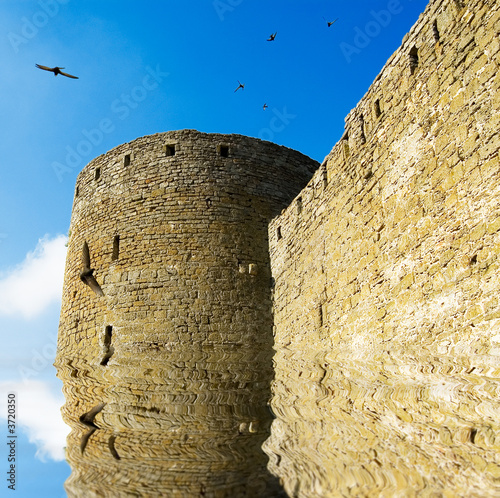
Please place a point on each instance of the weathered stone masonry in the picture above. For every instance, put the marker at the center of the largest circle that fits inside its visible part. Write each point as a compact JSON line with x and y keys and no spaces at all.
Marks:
{"x":386,"y":300}
{"x":167,"y":375}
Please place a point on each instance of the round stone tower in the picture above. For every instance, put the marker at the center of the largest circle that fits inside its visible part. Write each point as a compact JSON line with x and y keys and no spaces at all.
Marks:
{"x":165,"y":339}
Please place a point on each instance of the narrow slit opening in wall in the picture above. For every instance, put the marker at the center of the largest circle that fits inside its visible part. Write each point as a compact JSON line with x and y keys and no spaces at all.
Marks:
{"x":223,"y":150}
{"x":170,"y":150}
{"x":376,"y":106}
{"x":77,"y":191}
{"x":325,"y":177}
{"x":472,"y":435}
{"x":435,"y":31}
{"x":413,"y":56}
{"x":299,"y":205}
{"x":126,"y":160}
{"x":97,"y":174}
{"x":112,"y":449}
{"x":107,"y":335}
{"x":278,"y":233}
{"x":116,"y":248}
{"x":362,"y":128}
{"x":108,"y":349}
{"x":345,"y":142}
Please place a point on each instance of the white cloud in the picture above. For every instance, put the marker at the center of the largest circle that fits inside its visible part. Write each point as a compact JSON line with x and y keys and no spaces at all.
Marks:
{"x":37,"y":282}
{"x":38,"y":413}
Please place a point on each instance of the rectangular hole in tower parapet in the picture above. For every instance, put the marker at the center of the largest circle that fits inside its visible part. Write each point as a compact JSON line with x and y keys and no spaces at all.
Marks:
{"x":278,"y":233}
{"x":116,"y":248}
{"x":126,"y":160}
{"x":376,"y":108}
{"x":77,"y":191}
{"x":413,"y":57}
{"x":435,"y":31}
{"x":97,"y":174}
{"x":223,"y":150}
{"x":170,"y":150}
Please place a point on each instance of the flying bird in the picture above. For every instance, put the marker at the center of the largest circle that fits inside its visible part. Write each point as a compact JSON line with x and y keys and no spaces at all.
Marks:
{"x":87,"y":419}
{"x":331,"y":22}
{"x":265,"y":106}
{"x":272,"y":37}
{"x":56,"y":70}
{"x":86,"y":275}
{"x":241,"y":85}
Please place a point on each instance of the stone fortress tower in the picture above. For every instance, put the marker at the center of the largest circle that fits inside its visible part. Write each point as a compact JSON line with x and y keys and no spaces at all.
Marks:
{"x":382,"y":267}
{"x":167,"y":374}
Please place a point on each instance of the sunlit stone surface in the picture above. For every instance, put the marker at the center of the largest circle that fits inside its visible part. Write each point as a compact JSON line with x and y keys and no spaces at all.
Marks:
{"x":386,"y":303}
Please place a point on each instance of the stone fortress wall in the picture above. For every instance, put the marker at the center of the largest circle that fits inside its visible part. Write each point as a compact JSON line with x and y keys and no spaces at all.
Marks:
{"x":167,"y":374}
{"x":387,"y":285}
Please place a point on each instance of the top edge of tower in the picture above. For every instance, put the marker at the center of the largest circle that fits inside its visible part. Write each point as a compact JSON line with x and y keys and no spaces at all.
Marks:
{"x":195,"y":136}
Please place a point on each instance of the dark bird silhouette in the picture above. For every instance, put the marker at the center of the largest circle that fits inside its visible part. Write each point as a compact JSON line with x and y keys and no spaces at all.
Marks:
{"x":331,"y":22}
{"x":272,"y":37}
{"x":241,"y":85}
{"x":265,"y":106}
{"x":56,"y":70}
{"x":87,"y":419}
{"x":86,"y":275}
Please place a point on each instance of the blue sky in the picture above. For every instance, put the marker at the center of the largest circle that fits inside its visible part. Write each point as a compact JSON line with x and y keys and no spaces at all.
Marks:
{"x":146,"y":67}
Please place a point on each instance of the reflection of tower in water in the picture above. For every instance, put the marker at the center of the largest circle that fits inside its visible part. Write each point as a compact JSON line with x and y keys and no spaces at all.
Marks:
{"x":179,"y":347}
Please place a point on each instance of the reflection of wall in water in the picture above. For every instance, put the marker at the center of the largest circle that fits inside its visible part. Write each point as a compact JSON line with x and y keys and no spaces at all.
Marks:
{"x":179,"y":347}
